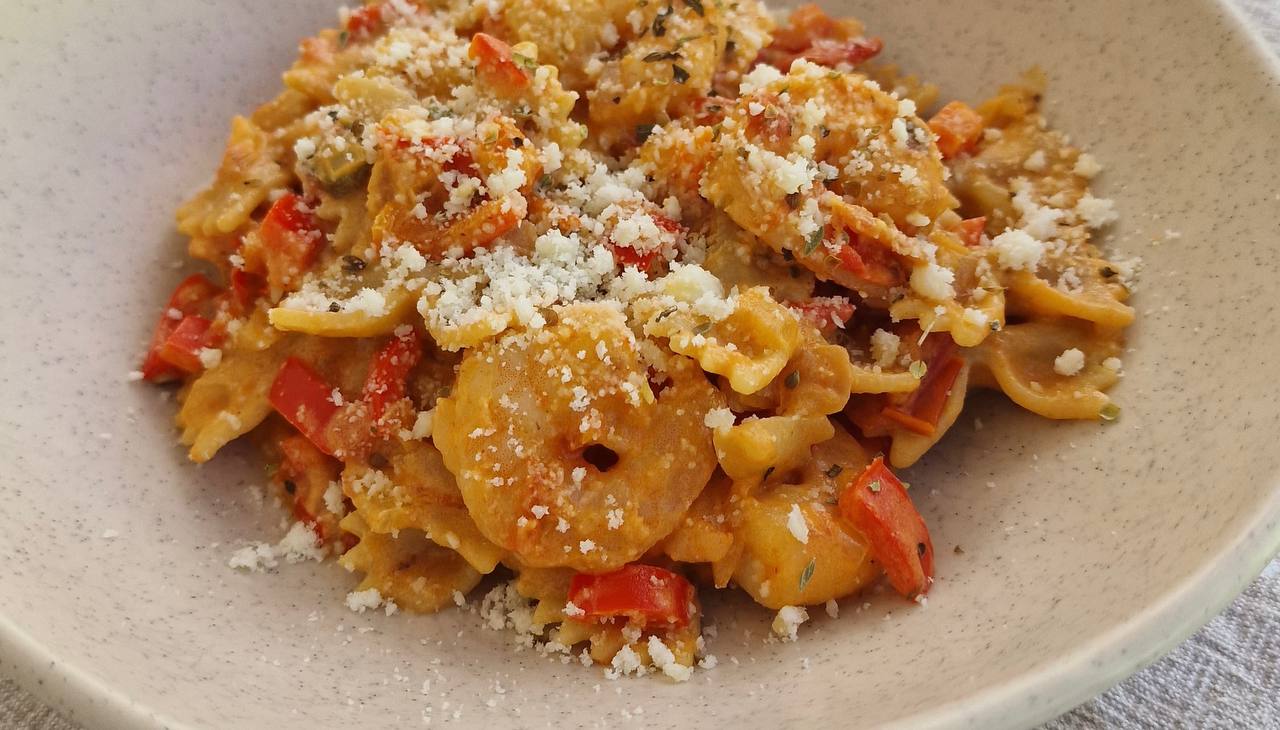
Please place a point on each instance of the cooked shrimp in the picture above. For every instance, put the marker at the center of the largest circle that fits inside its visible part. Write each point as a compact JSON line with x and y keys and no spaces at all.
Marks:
{"x":547,"y":432}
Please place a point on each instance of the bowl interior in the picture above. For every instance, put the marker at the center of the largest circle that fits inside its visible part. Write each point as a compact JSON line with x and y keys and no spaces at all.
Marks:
{"x":1069,"y":554}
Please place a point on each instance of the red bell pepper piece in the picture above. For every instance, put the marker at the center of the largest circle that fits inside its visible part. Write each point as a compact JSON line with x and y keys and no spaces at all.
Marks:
{"x":496,"y":63}
{"x":971,"y":230}
{"x":825,"y":313}
{"x":958,"y":127}
{"x":877,"y":504}
{"x":245,"y":289}
{"x":870,"y":261}
{"x":305,"y":400}
{"x":291,"y":238}
{"x":389,"y":371}
{"x":183,"y":346}
{"x":190,"y":296}
{"x":644,"y":592}
{"x":922,"y":409}
{"x":365,"y":20}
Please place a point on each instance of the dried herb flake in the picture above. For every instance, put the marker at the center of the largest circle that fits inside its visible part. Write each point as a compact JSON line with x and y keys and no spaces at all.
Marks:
{"x":815,"y":238}
{"x":807,"y":574}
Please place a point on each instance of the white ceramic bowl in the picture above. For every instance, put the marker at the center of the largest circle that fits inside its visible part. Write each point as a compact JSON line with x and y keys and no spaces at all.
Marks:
{"x":1096,"y":549}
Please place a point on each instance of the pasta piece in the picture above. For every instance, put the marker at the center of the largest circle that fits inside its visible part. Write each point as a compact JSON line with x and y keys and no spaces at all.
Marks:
{"x":248,"y":173}
{"x":416,"y":491}
{"x":817,"y":381}
{"x":1094,"y":292}
{"x":571,"y":33}
{"x":750,"y":451}
{"x":407,"y":568}
{"x":797,"y":548}
{"x":1021,"y":359}
{"x":553,"y":452}
{"x":397,"y":307}
{"x":669,"y":57}
{"x":749,"y":347}
{"x":738,"y":260}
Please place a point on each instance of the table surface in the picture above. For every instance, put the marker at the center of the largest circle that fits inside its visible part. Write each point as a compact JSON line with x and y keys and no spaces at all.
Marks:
{"x":1226,"y":675}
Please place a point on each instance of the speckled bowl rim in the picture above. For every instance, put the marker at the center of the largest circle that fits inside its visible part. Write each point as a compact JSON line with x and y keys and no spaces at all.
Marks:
{"x":1025,"y":701}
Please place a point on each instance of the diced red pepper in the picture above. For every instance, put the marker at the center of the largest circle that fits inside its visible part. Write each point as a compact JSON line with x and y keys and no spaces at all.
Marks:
{"x":496,"y":63}
{"x":971,"y":230}
{"x":643,"y":592}
{"x":813,"y":35}
{"x":870,"y":261}
{"x":245,"y":289}
{"x":828,"y":52}
{"x":291,"y":238}
{"x":305,"y":400}
{"x":190,"y":296}
{"x":958,"y":127}
{"x":626,"y":256}
{"x":306,"y":474}
{"x":183,"y":346}
{"x":389,"y":371}
{"x":923,"y":407}
{"x":364,"y":21}
{"x":877,"y":504}
{"x":825,"y":313}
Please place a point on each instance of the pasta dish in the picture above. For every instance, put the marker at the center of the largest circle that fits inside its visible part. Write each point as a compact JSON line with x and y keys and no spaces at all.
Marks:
{"x":601,"y":306}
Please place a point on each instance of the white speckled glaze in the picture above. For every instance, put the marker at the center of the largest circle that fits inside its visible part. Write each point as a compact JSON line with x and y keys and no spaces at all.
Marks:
{"x":1097,"y":549}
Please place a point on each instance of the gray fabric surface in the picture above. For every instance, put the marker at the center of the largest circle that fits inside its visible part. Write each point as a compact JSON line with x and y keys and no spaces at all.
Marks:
{"x":1226,"y":676}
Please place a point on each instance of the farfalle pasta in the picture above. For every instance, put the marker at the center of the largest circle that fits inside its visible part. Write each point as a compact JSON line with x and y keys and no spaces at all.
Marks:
{"x":596,"y":308}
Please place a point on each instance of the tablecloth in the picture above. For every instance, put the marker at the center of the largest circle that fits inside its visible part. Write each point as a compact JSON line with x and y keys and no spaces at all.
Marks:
{"x":1225,"y":676}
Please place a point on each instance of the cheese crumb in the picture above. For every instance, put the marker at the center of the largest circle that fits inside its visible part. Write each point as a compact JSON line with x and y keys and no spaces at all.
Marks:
{"x":366,"y":600}
{"x":1016,"y":249}
{"x":1096,"y":212}
{"x":1087,"y":166}
{"x":884,"y":348}
{"x":933,"y":281}
{"x":1069,"y":363}
{"x":797,"y":525}
{"x":787,"y":623}
{"x":1035,"y":162}
{"x":665,"y":660}
{"x":1113,"y":364}
{"x":718,"y":418}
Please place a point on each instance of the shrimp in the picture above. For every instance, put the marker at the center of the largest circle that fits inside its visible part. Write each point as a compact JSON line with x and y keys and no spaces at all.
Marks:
{"x":564,"y":453}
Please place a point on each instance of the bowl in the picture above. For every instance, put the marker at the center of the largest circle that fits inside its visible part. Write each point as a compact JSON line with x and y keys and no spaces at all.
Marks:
{"x":1070,"y":554}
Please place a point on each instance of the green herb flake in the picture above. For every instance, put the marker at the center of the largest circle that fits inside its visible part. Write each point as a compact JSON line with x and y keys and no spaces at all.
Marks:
{"x":702,"y":329}
{"x":811,"y":244}
{"x":994,"y":325}
{"x":343,"y":39}
{"x":696,"y":6}
{"x":834,"y":471}
{"x":657,"y":56}
{"x":807,"y":574}
{"x":918,"y":369}
{"x":1110,"y":413}
{"x":792,"y":380}
{"x":660,"y":22}
{"x":643,"y":131}
{"x":529,"y":63}
{"x":874,"y":486}
{"x":679,"y":74}
{"x":767,"y":473}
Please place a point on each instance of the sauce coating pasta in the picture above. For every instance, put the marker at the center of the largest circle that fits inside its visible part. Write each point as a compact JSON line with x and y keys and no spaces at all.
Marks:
{"x":623,"y":303}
